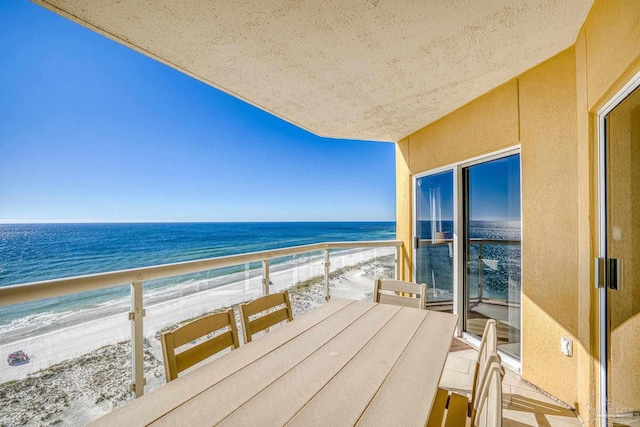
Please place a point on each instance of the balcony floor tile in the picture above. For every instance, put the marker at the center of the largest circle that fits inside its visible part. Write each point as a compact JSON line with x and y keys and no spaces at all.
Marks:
{"x":523,"y":405}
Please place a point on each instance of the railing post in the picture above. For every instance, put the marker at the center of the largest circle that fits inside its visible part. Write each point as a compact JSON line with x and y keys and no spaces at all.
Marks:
{"x":480,"y":273}
{"x":137,"y":340}
{"x":398,"y":262}
{"x":326,"y":274}
{"x":266,"y":280}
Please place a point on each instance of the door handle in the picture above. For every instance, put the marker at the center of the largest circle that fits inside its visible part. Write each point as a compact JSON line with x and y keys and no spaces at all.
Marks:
{"x":614,"y":274}
{"x":601,"y":269}
{"x":609,"y":273}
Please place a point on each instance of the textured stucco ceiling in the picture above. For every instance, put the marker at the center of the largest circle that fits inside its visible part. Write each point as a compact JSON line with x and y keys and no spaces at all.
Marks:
{"x":362,"y":69}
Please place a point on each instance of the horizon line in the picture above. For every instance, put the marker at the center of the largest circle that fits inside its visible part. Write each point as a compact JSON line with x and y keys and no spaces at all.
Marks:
{"x":44,"y":222}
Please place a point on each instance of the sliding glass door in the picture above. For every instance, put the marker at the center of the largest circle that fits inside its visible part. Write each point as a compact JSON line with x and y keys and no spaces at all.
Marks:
{"x":492,"y":249}
{"x":434,"y":237}
{"x":467,"y":244}
{"x":620,"y":252}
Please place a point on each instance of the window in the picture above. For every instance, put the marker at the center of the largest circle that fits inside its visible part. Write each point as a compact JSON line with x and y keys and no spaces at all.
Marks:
{"x":467,"y":244}
{"x":492,"y":249}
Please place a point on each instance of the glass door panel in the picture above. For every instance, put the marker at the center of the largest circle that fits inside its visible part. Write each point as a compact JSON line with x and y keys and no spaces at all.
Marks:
{"x":492,"y":249}
{"x":434,"y":238}
{"x":622,"y":144}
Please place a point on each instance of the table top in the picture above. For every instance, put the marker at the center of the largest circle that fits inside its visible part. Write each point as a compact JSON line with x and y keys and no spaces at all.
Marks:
{"x":344,"y":363}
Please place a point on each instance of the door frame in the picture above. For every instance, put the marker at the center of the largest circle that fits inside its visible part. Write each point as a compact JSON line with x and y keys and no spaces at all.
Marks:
{"x":603,"y":306}
{"x":458,"y":238}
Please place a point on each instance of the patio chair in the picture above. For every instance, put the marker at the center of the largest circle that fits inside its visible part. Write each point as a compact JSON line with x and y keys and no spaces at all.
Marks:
{"x":489,"y":411}
{"x":452,"y":410}
{"x":225,"y":334}
{"x":263,"y":315}
{"x":392,"y":292}
{"x":487,"y":353}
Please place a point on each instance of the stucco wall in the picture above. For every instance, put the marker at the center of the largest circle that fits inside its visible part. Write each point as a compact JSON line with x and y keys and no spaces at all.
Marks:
{"x":607,"y":57}
{"x":550,"y":110}
{"x":549,"y":223}
{"x":537,"y":111}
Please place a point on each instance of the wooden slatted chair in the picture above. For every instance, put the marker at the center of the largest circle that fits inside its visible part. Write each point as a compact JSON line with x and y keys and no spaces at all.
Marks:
{"x":221,"y":325}
{"x":453,"y":410}
{"x":265,"y":320}
{"x":489,"y":411}
{"x":487,"y":353}
{"x":488,"y":345}
{"x":387,"y":292}
{"x":459,"y":405}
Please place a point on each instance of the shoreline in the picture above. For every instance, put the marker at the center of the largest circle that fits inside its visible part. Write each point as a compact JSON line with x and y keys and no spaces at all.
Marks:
{"x":83,"y":388}
{"x":93,"y":328}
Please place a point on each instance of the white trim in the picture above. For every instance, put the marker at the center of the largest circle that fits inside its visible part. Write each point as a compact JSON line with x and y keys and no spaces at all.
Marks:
{"x":434,"y":171}
{"x":458,"y":249}
{"x":522,"y":256}
{"x":622,"y":94}
{"x":614,"y":102}
{"x":414,"y":230}
{"x":504,"y":152}
{"x":602,"y":252}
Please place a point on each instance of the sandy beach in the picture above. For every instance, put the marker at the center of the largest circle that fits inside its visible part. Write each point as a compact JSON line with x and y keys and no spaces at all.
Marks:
{"x":67,"y":361}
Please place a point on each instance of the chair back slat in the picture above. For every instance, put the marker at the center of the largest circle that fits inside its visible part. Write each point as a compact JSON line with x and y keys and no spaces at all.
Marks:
{"x":208,"y":348}
{"x":270,"y":319}
{"x":386,"y":292}
{"x":199,"y":328}
{"x":264,"y":303}
{"x":222,"y":325}
{"x":489,"y":413}
{"x":400,"y":286}
{"x":262,"y":322}
{"x":483,"y":374}
{"x":488,"y":345}
{"x":399,"y":300}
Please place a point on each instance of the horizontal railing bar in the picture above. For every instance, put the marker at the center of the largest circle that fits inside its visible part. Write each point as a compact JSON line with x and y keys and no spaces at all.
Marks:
{"x":15,"y":294}
{"x":494,"y":241}
{"x":474,"y":241}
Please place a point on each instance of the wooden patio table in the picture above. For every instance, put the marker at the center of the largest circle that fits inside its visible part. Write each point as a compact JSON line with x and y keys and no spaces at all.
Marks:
{"x":345,"y":363}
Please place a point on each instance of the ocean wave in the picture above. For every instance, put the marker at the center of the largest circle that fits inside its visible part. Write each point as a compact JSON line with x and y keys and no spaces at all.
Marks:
{"x":33,"y":320}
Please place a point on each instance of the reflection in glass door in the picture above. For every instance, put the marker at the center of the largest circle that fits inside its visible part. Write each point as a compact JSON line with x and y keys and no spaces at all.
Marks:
{"x":434,"y":237}
{"x":622,"y":252}
{"x":492,"y":249}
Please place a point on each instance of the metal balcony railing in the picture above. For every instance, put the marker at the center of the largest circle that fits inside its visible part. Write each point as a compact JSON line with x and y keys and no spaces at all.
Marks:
{"x":480,"y":243}
{"x":30,"y":292}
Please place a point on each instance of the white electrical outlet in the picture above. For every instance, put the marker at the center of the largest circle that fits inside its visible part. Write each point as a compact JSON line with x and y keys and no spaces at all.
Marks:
{"x":566,"y":346}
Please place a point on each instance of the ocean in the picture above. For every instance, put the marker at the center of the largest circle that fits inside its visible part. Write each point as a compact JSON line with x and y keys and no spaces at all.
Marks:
{"x":36,"y":252}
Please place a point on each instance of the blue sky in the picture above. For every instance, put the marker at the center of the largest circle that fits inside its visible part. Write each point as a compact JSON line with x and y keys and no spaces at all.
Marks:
{"x":494,"y":191}
{"x":92,"y":131}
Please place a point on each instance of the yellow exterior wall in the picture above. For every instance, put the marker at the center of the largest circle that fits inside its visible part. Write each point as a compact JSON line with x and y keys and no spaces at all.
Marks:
{"x":537,"y":111}
{"x":484,"y":125}
{"x":549,"y":223}
{"x":612,"y":32}
{"x":587,"y":352}
{"x":607,"y":57}
{"x":550,"y":110}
